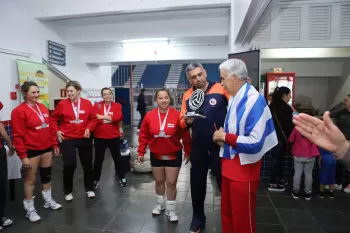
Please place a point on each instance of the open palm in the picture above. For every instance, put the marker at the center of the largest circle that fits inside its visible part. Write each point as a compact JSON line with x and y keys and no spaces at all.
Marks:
{"x":323,"y":133}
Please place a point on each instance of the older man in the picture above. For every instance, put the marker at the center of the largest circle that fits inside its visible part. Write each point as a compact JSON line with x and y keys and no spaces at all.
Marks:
{"x":247,"y":135}
{"x":204,"y":152}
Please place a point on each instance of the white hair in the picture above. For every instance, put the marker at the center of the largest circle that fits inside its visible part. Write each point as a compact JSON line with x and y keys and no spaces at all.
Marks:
{"x":235,"y":67}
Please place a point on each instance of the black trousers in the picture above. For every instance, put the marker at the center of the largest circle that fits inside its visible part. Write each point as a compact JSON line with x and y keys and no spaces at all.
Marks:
{"x":68,"y":149}
{"x":201,"y":160}
{"x":143,"y":114}
{"x":341,"y":175}
{"x":276,"y":171}
{"x":3,"y":181}
{"x":113,"y":145}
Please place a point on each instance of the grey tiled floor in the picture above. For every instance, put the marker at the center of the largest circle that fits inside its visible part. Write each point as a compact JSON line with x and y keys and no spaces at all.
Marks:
{"x":128,"y":210}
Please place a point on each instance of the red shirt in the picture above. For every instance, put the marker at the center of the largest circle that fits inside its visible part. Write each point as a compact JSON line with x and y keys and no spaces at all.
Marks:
{"x":169,"y":144}
{"x":112,"y":129}
{"x":27,"y":133}
{"x":64,"y":113}
{"x":232,"y":168}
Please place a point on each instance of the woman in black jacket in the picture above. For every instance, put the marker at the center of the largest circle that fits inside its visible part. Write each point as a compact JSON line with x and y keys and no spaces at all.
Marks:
{"x":282,"y":115}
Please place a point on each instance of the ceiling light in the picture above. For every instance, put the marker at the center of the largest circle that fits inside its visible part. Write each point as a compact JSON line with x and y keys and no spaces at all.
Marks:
{"x":145,"y":40}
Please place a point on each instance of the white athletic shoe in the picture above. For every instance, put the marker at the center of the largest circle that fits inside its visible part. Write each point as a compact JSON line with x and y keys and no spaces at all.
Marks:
{"x":90,"y":194}
{"x":171,"y":212}
{"x":31,"y":212}
{"x":69,"y":197}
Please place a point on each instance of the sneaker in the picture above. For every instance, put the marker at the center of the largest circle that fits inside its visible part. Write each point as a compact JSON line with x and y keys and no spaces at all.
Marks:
{"x":295,"y":195}
{"x":157,"y":209}
{"x":197,"y":225}
{"x":90,"y":194}
{"x":33,"y":216}
{"x":338,"y":187}
{"x":308,"y":196}
{"x":52,"y":204}
{"x":172,"y":216}
{"x":6,"y":222}
{"x":69,"y":197}
{"x":283,"y":183}
{"x":123,"y":182}
{"x":347,"y":189}
{"x":95,"y":184}
{"x":330,"y":195}
{"x":321,"y":194}
{"x":276,"y":187}
{"x":31,"y":212}
{"x":194,"y":229}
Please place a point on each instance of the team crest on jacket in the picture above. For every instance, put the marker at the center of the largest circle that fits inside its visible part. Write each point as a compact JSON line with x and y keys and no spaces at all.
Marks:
{"x":212,"y":101}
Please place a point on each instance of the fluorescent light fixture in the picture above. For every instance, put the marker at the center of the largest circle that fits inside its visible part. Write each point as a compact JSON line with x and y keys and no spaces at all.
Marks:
{"x":144,"y":40}
{"x":151,"y":45}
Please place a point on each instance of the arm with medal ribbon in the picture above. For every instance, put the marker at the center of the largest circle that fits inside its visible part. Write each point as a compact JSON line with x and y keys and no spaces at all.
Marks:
{"x":107,"y":118}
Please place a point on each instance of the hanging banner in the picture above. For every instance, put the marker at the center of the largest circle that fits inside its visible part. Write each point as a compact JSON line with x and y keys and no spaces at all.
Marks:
{"x":35,"y":72}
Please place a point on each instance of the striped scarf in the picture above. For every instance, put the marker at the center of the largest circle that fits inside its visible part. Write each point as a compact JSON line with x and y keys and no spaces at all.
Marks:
{"x":250,"y":119}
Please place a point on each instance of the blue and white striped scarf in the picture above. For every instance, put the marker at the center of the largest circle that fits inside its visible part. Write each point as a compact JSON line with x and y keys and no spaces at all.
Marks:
{"x":250,"y":119}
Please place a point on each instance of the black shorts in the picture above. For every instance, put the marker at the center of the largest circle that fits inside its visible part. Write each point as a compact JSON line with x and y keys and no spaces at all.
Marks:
{"x":34,"y":153}
{"x":167,"y":163}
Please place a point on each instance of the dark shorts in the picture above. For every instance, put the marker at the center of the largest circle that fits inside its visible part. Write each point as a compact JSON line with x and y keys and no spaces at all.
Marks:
{"x":167,"y":163}
{"x":34,"y":153}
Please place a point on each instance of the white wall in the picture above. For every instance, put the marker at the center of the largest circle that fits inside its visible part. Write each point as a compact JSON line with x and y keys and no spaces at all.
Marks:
{"x":312,"y":91}
{"x":104,"y":73}
{"x":20,"y":32}
{"x":110,"y":55}
{"x":305,"y":67}
{"x":9,"y":79}
{"x":340,"y":87}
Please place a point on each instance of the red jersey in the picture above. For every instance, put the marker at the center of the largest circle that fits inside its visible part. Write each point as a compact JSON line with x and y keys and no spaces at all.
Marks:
{"x":173,"y":133}
{"x":232,"y":168}
{"x":65,"y":113}
{"x":108,"y":130}
{"x":28,"y":132}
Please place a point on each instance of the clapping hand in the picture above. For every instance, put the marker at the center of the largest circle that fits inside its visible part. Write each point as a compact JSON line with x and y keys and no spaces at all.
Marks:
{"x":322,"y":133}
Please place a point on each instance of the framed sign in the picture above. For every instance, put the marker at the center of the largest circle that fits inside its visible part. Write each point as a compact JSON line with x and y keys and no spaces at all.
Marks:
{"x":56,"y":53}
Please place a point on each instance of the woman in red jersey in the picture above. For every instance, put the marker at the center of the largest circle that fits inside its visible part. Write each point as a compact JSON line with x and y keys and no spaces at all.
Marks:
{"x":107,"y":134}
{"x":34,"y":139}
{"x":160,"y":130}
{"x":77,"y":119}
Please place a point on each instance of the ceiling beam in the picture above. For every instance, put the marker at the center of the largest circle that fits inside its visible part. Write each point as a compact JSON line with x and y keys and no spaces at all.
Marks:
{"x":64,"y":9}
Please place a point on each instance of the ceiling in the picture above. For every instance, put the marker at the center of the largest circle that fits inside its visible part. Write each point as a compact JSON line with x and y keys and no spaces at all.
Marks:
{"x":182,"y":27}
{"x":144,"y":17}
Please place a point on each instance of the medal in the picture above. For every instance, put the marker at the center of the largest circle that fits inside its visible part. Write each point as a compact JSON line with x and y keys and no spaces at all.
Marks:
{"x":76,"y":111}
{"x":106,"y":111}
{"x":162,"y":124}
{"x":162,"y":134}
{"x":40,"y":115}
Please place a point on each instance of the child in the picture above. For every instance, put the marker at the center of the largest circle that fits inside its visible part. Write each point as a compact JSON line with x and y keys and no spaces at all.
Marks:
{"x":327,"y":165}
{"x":304,"y":153}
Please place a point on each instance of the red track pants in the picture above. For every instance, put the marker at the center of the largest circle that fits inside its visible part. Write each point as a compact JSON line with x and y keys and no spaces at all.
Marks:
{"x":238,"y":203}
